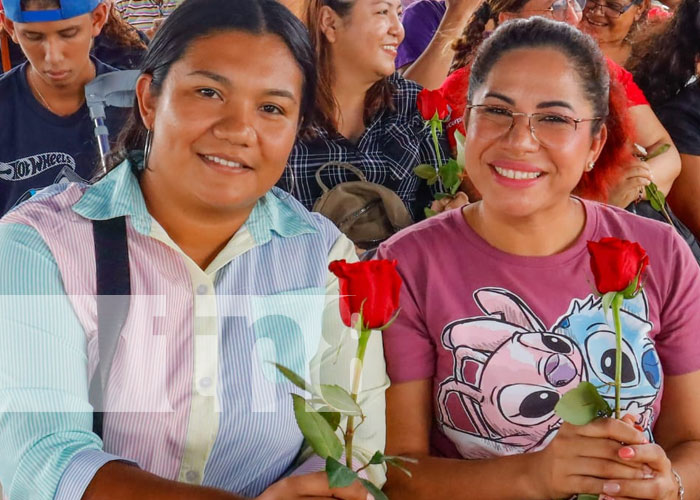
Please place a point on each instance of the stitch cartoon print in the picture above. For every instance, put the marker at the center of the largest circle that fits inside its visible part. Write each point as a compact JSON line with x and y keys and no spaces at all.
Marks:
{"x":509,"y":370}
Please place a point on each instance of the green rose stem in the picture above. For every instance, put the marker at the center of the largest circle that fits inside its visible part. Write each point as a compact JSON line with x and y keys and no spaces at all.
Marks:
{"x":356,"y":376}
{"x":616,"y":305}
{"x":656,"y":197}
{"x":433,"y":131}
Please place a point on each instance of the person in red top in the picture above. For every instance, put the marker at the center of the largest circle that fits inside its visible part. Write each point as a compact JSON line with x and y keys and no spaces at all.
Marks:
{"x":646,"y":129}
{"x":623,"y":27}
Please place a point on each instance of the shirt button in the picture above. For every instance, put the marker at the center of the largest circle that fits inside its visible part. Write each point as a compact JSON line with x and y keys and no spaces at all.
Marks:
{"x":192,"y":476}
{"x":202,"y":289}
{"x":205,"y":382}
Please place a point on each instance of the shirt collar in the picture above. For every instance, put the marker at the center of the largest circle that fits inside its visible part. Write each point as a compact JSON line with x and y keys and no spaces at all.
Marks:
{"x":118,"y":194}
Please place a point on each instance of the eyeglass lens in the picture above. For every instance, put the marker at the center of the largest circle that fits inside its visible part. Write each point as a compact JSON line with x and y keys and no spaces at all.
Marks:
{"x":613,"y":10}
{"x":548,"y":128}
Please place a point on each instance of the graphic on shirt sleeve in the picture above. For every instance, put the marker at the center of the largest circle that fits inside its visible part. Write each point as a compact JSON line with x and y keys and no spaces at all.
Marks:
{"x":26,"y":168}
{"x":509,"y":371}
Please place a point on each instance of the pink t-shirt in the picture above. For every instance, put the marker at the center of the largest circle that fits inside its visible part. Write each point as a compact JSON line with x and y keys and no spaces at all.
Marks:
{"x":504,"y":336}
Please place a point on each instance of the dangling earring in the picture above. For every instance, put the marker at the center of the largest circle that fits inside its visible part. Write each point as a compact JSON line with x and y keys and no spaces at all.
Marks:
{"x":147,"y":149}
{"x":590,"y":166}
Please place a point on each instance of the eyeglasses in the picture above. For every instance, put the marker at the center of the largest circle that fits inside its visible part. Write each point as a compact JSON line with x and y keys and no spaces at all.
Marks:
{"x":558,"y":9}
{"x":549,"y":129}
{"x":610,"y":10}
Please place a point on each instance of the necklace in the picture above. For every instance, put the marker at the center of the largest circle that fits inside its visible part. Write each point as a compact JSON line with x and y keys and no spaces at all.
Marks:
{"x":43,"y":100}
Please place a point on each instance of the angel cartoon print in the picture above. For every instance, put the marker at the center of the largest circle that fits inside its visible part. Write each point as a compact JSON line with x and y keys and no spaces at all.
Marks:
{"x":509,"y":370}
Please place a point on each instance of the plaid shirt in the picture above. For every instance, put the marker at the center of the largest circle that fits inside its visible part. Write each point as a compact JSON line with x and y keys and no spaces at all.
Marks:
{"x":391,"y":146}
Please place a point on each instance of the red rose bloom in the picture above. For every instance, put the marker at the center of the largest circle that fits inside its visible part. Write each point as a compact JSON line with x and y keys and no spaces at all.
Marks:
{"x":430,"y":102}
{"x":616,"y":263}
{"x":376,"y":283}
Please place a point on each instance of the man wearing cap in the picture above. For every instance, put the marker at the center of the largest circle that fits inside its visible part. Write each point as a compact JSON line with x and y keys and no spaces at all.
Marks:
{"x":46,"y":134}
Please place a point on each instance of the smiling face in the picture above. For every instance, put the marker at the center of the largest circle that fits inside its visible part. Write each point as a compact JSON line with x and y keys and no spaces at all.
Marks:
{"x":567,"y":11}
{"x":224,"y":123}
{"x":366,"y":40}
{"x":58,"y":51}
{"x":601,"y":22}
{"x":516,"y":175}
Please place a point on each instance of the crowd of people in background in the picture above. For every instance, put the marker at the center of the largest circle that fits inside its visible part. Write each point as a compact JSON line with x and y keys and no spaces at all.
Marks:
{"x":263,"y":140}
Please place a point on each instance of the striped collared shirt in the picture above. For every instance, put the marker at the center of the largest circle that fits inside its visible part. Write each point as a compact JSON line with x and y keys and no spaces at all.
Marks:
{"x":191,"y":395}
{"x":141,"y":14}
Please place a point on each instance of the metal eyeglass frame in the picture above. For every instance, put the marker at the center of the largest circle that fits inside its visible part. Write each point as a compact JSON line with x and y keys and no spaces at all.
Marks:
{"x":605,"y":6}
{"x":562,"y":6}
{"x":529,"y":116}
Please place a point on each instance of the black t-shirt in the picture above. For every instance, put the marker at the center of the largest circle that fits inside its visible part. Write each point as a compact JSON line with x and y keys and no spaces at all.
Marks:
{"x":681,"y":117}
{"x":39,"y":148}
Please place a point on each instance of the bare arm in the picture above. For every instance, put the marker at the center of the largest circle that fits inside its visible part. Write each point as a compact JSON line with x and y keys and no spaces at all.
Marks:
{"x":684,"y":199}
{"x":651,"y":134}
{"x":119,"y":480}
{"x":678,"y":429}
{"x":431,"y":68}
{"x":125,"y":482}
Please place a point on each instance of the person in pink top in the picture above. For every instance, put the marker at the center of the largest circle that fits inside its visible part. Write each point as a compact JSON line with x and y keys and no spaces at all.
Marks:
{"x":498,"y":315}
{"x":648,"y":130}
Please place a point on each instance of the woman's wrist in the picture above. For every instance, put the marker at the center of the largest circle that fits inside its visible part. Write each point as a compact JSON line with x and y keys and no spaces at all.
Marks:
{"x":528,"y":476}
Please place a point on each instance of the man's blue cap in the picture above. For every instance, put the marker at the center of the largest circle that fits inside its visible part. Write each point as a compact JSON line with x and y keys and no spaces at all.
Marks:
{"x":69,"y":8}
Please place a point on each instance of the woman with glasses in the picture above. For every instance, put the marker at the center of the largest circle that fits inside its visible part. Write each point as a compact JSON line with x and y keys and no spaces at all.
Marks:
{"x":646,"y":130}
{"x":617,"y":25}
{"x":498,"y":319}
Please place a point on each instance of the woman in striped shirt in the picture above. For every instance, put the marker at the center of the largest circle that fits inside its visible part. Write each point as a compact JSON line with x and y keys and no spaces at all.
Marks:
{"x":227,"y":273}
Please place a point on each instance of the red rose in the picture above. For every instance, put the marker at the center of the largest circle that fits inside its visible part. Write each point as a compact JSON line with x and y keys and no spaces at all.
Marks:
{"x":616,"y":263}
{"x":376,"y":283}
{"x":430,"y":102}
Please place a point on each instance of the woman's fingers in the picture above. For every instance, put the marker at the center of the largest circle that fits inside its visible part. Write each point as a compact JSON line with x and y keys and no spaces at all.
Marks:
{"x":450,"y":202}
{"x":595,"y":448}
{"x":628,"y":189}
{"x":611,"y":428}
{"x":609,"y":469}
{"x":650,"y":454}
{"x":660,"y":487}
{"x":314,"y":485}
{"x":458,"y":201}
{"x":657,"y":482}
{"x":640,"y":170}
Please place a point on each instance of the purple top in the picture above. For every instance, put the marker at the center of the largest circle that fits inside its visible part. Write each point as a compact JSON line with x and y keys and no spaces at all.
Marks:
{"x":502,"y":336}
{"x":420,"y":20}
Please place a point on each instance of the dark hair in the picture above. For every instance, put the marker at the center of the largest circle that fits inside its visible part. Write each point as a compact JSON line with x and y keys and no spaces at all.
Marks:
{"x":378,"y":97}
{"x":538,"y":32}
{"x":194,"y":19}
{"x":669,"y":61}
{"x":473,"y":33}
{"x":118,"y":30}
